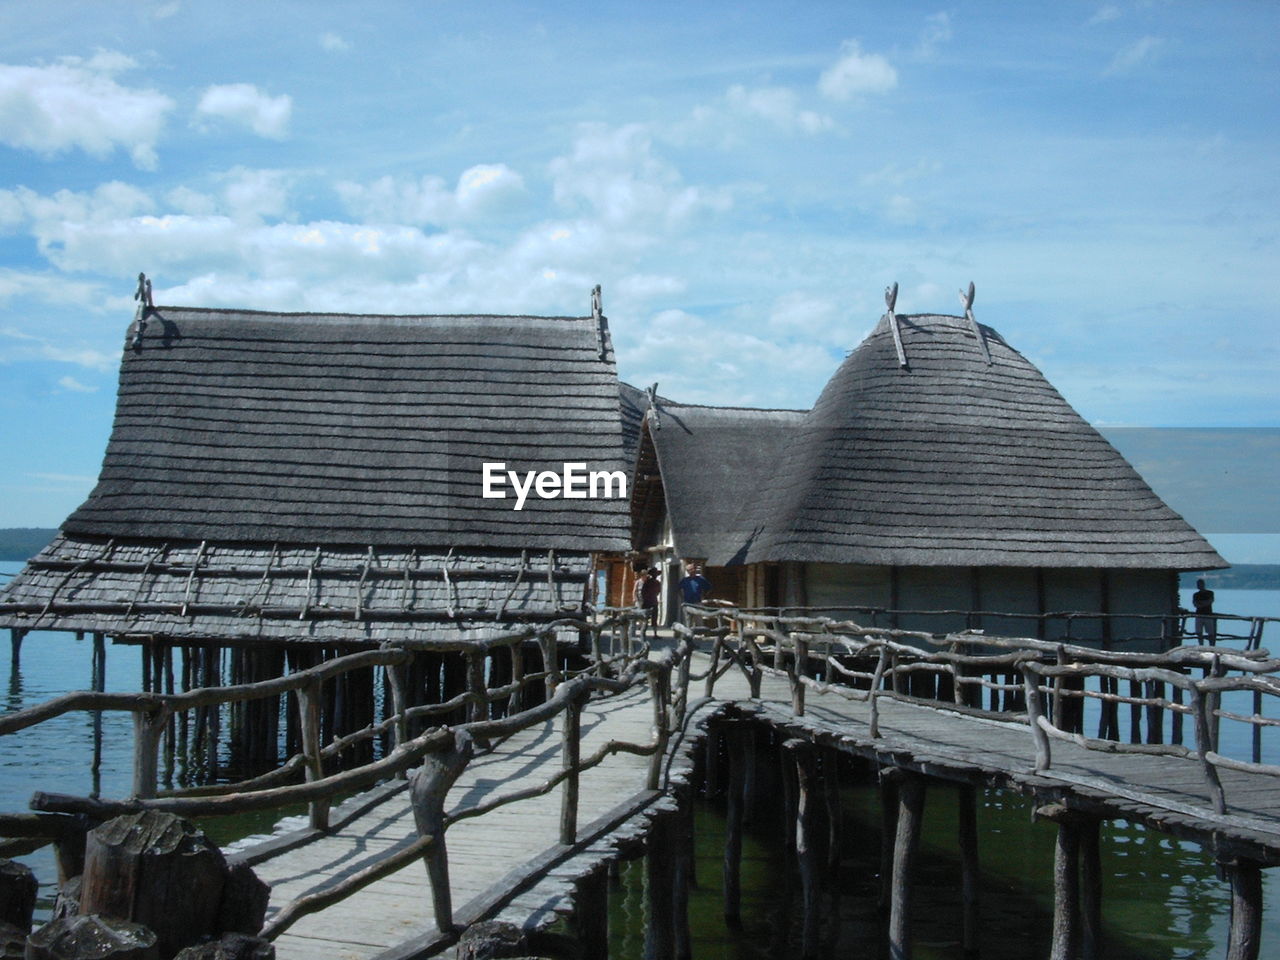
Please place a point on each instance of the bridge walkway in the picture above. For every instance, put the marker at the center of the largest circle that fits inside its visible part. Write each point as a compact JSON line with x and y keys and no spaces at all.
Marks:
{"x":1167,"y":793}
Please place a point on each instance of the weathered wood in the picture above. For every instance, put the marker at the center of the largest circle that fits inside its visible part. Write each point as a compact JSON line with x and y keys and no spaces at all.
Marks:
{"x":570,"y":749}
{"x":158,"y":870}
{"x":100,"y":938}
{"x":659,"y":938}
{"x":591,"y":913}
{"x":1245,"y":939}
{"x":888,"y":788}
{"x":231,"y":946}
{"x":911,"y":791}
{"x":1091,"y":939}
{"x":309,"y":723}
{"x":1065,"y":943}
{"x":17,"y":894}
{"x":970,"y":872}
{"x":244,"y":901}
{"x":808,"y":842}
{"x":427,"y":791}
{"x":67,"y":902}
{"x":736,"y":738}
{"x":1035,"y":714}
{"x":683,"y":877}
{"x":148,"y":727}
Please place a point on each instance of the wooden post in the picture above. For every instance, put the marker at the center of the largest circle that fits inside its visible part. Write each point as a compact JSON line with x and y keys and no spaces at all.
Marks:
{"x":147,"y":730}
{"x":591,"y":913}
{"x":17,"y":894}
{"x":659,"y":940}
{"x":427,"y":791}
{"x":660,"y":691}
{"x":1035,"y":711}
{"x":570,"y":748}
{"x":905,"y":847}
{"x":807,"y":843}
{"x":1066,"y":882}
{"x":156,"y":869}
{"x":736,"y":736}
{"x":797,"y":675}
{"x":1206,"y":744}
{"x":550,"y":661}
{"x":888,"y":784}
{"x":15,"y":640}
{"x":716,"y":647}
{"x":970,"y":875}
{"x":309,"y":720}
{"x":399,"y":703}
{"x":1090,"y":888}
{"x":478,"y":705}
{"x":1245,"y":940}
{"x":682,"y":877}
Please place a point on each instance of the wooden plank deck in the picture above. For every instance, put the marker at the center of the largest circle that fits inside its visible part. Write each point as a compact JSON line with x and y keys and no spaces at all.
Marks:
{"x":481,"y":851}
{"x":1166,"y":792}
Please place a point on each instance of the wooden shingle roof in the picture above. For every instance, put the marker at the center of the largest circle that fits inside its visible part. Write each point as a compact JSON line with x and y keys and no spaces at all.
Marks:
{"x":714,"y":462}
{"x":248,"y":427}
{"x":952,"y":461}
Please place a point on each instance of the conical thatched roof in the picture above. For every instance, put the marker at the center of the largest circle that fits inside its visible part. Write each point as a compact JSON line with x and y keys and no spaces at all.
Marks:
{"x":952,"y":461}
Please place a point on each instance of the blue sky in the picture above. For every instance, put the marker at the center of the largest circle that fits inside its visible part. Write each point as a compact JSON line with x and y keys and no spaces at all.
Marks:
{"x":743,"y":179}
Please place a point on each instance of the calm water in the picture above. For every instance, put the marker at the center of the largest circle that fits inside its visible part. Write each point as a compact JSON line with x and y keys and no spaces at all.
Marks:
{"x":1162,"y":897}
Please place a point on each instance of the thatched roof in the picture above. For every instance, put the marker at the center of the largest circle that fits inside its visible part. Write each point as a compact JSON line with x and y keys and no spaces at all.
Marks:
{"x":319,"y":477}
{"x":714,"y":463}
{"x":956,"y":462}
{"x":328,"y":429}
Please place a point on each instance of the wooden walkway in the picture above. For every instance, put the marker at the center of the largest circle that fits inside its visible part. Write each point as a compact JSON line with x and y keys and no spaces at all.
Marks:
{"x":484,"y":853}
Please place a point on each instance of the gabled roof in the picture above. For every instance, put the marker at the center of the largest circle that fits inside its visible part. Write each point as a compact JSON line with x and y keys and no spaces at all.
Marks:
{"x":327,"y":429}
{"x":954,"y":462}
{"x":714,"y":463}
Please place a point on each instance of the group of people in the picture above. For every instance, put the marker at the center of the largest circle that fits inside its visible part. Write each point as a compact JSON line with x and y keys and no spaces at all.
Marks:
{"x":693,"y":587}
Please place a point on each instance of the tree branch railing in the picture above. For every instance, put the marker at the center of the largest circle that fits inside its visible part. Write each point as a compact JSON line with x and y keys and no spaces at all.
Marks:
{"x":1037,"y":683}
{"x":443,"y":752}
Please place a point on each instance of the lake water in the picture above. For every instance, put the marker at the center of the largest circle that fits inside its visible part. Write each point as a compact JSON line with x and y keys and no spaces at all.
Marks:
{"x":1162,"y":896}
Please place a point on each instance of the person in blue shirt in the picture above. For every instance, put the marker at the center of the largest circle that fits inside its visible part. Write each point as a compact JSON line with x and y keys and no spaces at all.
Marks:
{"x":693,"y":587}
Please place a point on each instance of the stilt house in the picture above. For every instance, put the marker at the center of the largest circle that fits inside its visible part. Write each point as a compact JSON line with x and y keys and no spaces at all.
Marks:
{"x":938,"y":471}
{"x":313,"y":482}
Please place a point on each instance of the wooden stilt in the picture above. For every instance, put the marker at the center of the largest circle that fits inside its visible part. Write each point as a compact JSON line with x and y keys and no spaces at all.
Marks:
{"x":1245,"y":940}
{"x":682,"y":873}
{"x":735,"y":736}
{"x":808,"y":842}
{"x":591,"y":914}
{"x":659,"y":939}
{"x":1090,"y":888}
{"x":888,"y":829}
{"x":906,"y":844}
{"x":969,"y":872}
{"x":16,"y":635}
{"x":831,"y":801}
{"x":1066,"y":882}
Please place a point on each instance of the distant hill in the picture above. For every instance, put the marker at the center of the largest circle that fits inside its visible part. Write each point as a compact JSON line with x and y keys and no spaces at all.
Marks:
{"x":23,"y":543}
{"x":1243,"y":576}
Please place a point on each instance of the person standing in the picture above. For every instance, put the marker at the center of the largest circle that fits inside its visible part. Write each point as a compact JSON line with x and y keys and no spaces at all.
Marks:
{"x":693,"y":587}
{"x":648,"y":591}
{"x":1206,"y":622}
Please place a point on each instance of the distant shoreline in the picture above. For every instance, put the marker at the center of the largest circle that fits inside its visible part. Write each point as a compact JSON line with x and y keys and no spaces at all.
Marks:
{"x":19,"y":544}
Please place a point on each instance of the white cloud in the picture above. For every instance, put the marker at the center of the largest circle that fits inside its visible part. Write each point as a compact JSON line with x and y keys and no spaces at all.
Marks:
{"x":779,"y":105}
{"x":937,"y":31}
{"x":77,"y":104}
{"x":1104,"y":14}
{"x":1145,"y":50}
{"x":166,"y":10}
{"x":244,"y":103}
{"x":481,"y":191}
{"x":333,"y":43}
{"x":614,"y":173}
{"x":857,"y":73}
{"x":75,"y":386}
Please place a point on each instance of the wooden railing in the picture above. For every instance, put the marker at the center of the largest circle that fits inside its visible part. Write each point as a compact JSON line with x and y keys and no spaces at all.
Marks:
{"x":1109,"y":629}
{"x":617,"y":663}
{"x":1023,"y":680}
